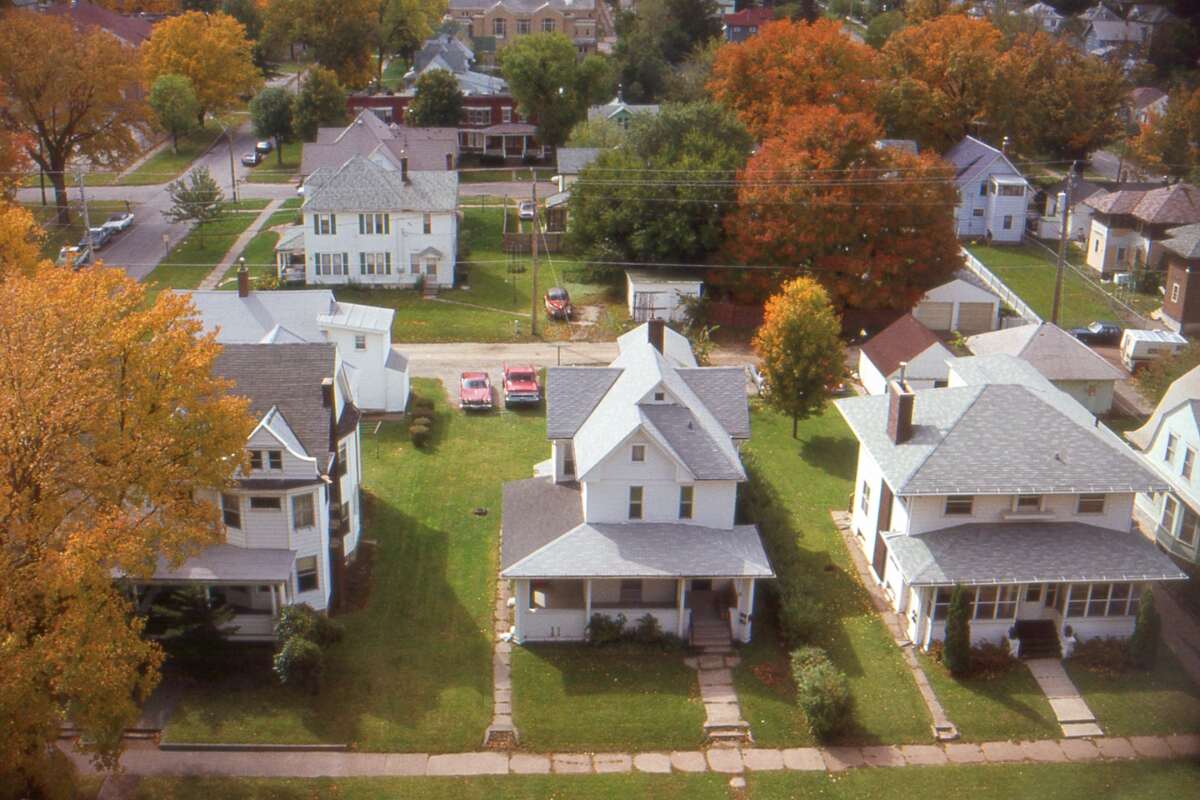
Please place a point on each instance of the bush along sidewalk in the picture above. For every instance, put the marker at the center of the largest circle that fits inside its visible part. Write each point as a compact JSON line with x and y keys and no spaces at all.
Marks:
{"x":303,"y":637}
{"x":821,"y":692}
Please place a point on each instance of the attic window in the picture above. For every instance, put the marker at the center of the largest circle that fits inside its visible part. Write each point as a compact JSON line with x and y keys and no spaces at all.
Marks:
{"x":660,"y":397}
{"x":638,"y":453}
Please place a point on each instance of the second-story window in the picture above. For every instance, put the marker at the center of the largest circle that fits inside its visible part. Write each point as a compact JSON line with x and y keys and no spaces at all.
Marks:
{"x":231,"y":511}
{"x":637,"y":453}
{"x":686,"y":496}
{"x":1028,"y":503}
{"x":959,"y":505}
{"x":256,"y":459}
{"x":549,"y":26}
{"x":303,"y":513}
{"x":1189,"y":461}
{"x":427,"y":223}
{"x":373,"y":223}
{"x":1172,"y":442}
{"x":864,"y":500}
{"x":360,"y":342}
{"x":275,"y":459}
{"x":499,"y":28}
{"x":342,"y":459}
{"x":506,"y":115}
{"x":1090,"y":504}
{"x":324,"y":224}
{"x":635,"y":502}
{"x":522,"y":26}
{"x":306,"y":574}
{"x":1189,"y":526}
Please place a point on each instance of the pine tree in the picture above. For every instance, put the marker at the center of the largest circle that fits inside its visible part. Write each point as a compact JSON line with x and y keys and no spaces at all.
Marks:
{"x":1143,"y":645}
{"x":957,"y":653}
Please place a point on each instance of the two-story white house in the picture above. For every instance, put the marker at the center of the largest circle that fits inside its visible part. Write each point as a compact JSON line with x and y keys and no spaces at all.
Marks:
{"x":372,"y":222}
{"x":292,"y":520}
{"x":1170,"y":445}
{"x":377,"y":372}
{"x":993,"y":195}
{"x":1003,"y":484}
{"x":633,"y":514}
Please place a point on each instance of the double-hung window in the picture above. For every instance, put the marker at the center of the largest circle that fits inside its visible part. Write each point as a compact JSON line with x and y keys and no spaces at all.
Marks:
{"x":941,"y":603}
{"x":1172,"y":443}
{"x":1188,"y":526}
{"x":306,"y":574}
{"x":687,"y":495}
{"x":371,"y":224}
{"x":360,"y":342}
{"x":1189,"y":461}
{"x":864,"y":501}
{"x":342,"y":459}
{"x":275,"y":459}
{"x":522,"y":26}
{"x":548,"y":26}
{"x":1090,"y":504}
{"x":637,"y":453}
{"x":427,"y":223}
{"x":231,"y":511}
{"x":499,"y":28}
{"x":331,"y":263}
{"x":959,"y":505}
{"x":303,"y":513}
{"x":375,"y":263}
{"x":256,"y":459}
{"x":635,"y":502}
{"x":324,"y":224}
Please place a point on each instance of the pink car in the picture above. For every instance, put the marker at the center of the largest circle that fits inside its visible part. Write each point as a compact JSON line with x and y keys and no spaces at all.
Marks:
{"x":521,"y":385}
{"x":475,"y":391}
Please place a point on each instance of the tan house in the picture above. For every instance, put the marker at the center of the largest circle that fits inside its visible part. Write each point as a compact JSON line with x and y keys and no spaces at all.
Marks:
{"x":495,"y":23}
{"x":1129,"y":225}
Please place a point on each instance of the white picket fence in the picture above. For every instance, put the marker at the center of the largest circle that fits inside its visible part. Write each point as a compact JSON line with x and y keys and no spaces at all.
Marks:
{"x":1010,"y":298}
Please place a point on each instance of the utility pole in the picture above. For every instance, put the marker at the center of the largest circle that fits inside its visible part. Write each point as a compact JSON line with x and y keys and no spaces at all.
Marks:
{"x":87,"y":222}
{"x":1063,"y":233}
{"x":41,"y":171}
{"x":533,"y":252}
{"x":232,"y":171}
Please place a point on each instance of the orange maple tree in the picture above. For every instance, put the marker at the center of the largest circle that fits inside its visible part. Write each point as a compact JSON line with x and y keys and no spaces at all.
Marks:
{"x":787,"y":66}
{"x":874,"y":226}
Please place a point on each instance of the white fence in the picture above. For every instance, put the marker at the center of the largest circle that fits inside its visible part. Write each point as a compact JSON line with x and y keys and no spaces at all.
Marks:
{"x":998,"y":286}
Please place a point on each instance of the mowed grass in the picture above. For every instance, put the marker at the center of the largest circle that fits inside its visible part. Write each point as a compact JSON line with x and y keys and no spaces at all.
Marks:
{"x":413,"y":672}
{"x":168,"y":164}
{"x":626,"y":697}
{"x":260,"y":260}
{"x":198,"y":252}
{"x":269,"y":170}
{"x":1156,"y":702}
{"x":809,"y":476}
{"x":528,"y":787}
{"x":986,"y":709}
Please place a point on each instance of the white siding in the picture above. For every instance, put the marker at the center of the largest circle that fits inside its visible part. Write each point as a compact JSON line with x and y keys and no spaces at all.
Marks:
{"x":1095,"y":396}
{"x":713,"y":502}
{"x":405,"y":239}
{"x":928,"y":512}
{"x":294,"y":466}
{"x":869,"y":375}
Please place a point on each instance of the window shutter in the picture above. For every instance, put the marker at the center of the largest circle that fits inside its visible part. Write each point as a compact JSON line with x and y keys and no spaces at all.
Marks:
{"x":387,"y":223}
{"x":333,"y":223}
{"x":317,"y":224}
{"x":387,"y":262}
{"x":362,"y":263}
{"x":345,"y":263}
{"x":362,"y":224}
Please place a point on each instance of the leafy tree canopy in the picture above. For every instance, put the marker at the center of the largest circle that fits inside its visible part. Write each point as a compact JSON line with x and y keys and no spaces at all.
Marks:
{"x":175,"y":106}
{"x":271,"y":114}
{"x":438,"y":102}
{"x":321,"y":101}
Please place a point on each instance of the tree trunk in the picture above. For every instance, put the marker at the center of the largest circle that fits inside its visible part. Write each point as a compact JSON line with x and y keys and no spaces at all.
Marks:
{"x":379,"y":68}
{"x":200,"y":118}
{"x":175,"y":144}
{"x":795,"y":423}
{"x":278,"y":151}
{"x":59,"y":179}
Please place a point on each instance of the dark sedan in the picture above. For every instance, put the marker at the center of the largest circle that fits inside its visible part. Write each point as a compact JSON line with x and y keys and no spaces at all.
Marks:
{"x":1108,"y":333}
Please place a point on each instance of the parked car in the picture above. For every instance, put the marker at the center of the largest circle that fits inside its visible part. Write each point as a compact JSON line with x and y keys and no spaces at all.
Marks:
{"x":118,"y":222}
{"x":1139,"y":348}
{"x":527,"y":209}
{"x":558,"y":303}
{"x":1098,"y":333}
{"x":252,"y":158}
{"x":96,"y":238}
{"x":263,"y":146}
{"x":475,"y":391}
{"x":521,"y":385}
{"x":76,"y":255}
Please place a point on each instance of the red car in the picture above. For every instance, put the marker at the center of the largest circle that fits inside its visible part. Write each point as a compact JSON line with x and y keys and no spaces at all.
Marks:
{"x":558,"y":304}
{"x":521,"y":385}
{"x":475,"y":391}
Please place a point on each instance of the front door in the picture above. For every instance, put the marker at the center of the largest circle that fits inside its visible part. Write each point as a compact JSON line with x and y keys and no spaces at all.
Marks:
{"x":879,"y":559}
{"x":1032,"y":601}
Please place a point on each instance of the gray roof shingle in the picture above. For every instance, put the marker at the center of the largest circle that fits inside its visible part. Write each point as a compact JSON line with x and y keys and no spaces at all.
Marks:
{"x":1184,"y":241}
{"x":227,"y":563}
{"x":1028,"y":552}
{"x":571,"y":395}
{"x":723,"y":390}
{"x":1052,"y":351}
{"x":572,"y":160}
{"x":363,"y":186}
{"x":692,"y":443}
{"x":533,"y":513}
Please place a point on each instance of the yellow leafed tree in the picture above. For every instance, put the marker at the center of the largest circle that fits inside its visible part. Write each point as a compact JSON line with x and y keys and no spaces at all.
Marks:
{"x":209,"y":49}
{"x":20,"y":240}
{"x":110,"y":422}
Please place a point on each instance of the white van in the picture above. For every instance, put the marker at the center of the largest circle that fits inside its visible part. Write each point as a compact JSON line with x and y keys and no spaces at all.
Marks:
{"x":1139,"y":348}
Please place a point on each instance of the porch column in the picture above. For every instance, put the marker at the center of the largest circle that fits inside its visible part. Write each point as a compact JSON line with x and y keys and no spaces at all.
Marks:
{"x":748,"y":612}
{"x":922,"y":596}
{"x":680,"y":585}
{"x":587,"y":601}
{"x":207,"y":595}
{"x":274,"y":602}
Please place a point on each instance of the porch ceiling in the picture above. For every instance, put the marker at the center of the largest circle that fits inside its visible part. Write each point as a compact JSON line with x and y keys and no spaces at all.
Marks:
{"x":228,"y":564}
{"x":1028,"y":553}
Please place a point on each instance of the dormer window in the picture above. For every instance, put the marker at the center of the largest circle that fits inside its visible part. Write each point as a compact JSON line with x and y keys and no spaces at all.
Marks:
{"x":1189,"y":461}
{"x":686,"y":496}
{"x":1172,"y":441}
{"x":638,"y":453}
{"x":273,"y":459}
{"x":660,"y":397}
{"x":1027,"y":503}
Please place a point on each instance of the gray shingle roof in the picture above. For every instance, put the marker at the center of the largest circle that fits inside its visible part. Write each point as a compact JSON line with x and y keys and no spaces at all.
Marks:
{"x":425,"y":148}
{"x":723,"y":390}
{"x":995,"y":439}
{"x":1184,"y":241}
{"x":286,"y":377}
{"x":533,"y":513}
{"x":571,"y":394}
{"x":692,"y":443}
{"x":252,"y":318}
{"x":227,"y":563}
{"x":647,"y":550}
{"x":1184,"y":389}
{"x":971,"y":158}
{"x":572,"y":160}
{"x":1019,"y":552}
{"x":363,"y":186}
{"x":1052,"y":351}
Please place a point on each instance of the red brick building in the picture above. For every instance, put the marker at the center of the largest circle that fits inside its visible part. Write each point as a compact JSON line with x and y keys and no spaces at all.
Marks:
{"x":490,"y":124}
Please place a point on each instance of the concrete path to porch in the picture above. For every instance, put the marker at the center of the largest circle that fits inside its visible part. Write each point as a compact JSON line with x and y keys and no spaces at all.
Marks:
{"x":502,"y":733}
{"x":1073,"y":714}
{"x":213,"y":279}
{"x":722,"y":711}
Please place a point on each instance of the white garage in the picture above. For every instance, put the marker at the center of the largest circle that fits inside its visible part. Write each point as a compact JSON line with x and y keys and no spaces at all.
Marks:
{"x":660,"y":294}
{"x":959,"y":306}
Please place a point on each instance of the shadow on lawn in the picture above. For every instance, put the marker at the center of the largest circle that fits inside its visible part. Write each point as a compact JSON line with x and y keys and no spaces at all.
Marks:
{"x":617,"y":669}
{"x":837,"y":456}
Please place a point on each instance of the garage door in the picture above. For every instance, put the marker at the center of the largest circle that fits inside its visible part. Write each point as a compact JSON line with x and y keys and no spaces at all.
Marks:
{"x":935,"y":316}
{"x":974,"y":317}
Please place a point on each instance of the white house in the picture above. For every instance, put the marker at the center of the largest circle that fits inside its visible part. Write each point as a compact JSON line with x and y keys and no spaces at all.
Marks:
{"x":1146,"y":103}
{"x":906,"y":351}
{"x":660,"y":294}
{"x":620,"y":112}
{"x":993,"y":195}
{"x":1004,"y":485}
{"x":958,"y":305}
{"x":1065,"y":361}
{"x":1170,"y":442}
{"x":1079,"y":214}
{"x":371,"y":224}
{"x":293,"y":519}
{"x":634,"y":512}
{"x":1047,"y":16}
{"x":377,"y":373}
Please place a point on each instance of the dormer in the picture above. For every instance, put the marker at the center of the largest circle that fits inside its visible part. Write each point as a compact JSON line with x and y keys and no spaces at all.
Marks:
{"x":659,"y":395}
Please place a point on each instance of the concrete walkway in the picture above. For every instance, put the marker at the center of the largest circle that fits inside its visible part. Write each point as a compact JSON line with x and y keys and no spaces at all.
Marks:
{"x":213,"y":279}
{"x":722,"y":711}
{"x":143,"y":758}
{"x":1073,"y":714}
{"x":502,"y":733}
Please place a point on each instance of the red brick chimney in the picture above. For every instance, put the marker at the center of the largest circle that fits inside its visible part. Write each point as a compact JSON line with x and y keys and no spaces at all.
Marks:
{"x":656,"y":332}
{"x":900,"y":413}
{"x":243,"y":276}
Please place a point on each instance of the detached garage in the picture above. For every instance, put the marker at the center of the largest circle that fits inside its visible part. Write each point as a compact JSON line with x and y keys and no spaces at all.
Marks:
{"x":660,"y":294}
{"x":959,"y":306}
{"x":907,"y":351}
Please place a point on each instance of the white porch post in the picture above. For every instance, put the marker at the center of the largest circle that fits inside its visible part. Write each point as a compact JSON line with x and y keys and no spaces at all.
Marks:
{"x":749,"y":612}
{"x":274,"y":603}
{"x":679,"y":590}
{"x":521,"y":609}
{"x":587,"y":601}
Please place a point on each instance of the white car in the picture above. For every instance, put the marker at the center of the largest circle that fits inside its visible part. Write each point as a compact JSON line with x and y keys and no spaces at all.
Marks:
{"x":119,"y":222}
{"x":526,"y":210}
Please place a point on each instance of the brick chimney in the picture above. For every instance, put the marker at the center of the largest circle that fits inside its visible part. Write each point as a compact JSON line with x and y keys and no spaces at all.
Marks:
{"x":449,"y":161}
{"x":655,"y":333}
{"x":404,"y":169}
{"x":243,"y":276}
{"x":900,"y":413}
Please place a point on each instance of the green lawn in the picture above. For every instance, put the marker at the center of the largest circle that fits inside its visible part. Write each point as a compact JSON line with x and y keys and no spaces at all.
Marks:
{"x":472,"y":173}
{"x":1029,"y":271}
{"x":1161,"y":701}
{"x":413,"y":672}
{"x":1008,"y":707}
{"x":809,"y":476}
{"x":197,"y":253}
{"x":625,"y":697}
{"x":269,"y":169}
{"x":531,"y":787}
{"x":167,"y":165}
{"x":1131,"y":780}
{"x":260,"y":260}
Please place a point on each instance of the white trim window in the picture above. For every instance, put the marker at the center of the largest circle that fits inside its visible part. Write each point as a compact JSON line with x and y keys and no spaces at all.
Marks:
{"x":1188,"y":527}
{"x":303,"y":511}
{"x":1102,"y":600}
{"x":360,"y":341}
{"x":273,"y":460}
{"x":687,"y":496}
{"x":427,"y":223}
{"x":1090,"y":504}
{"x":636,"y":496}
{"x":374,"y":224}
{"x":864,"y":500}
{"x":637,"y":454}
{"x":375,"y":263}
{"x":325,"y":224}
{"x":522,"y":27}
{"x":231,"y":510}
{"x":960,"y":505}
{"x":1189,"y":461}
{"x":1172,"y":442}
{"x":549,"y":25}
{"x":330,"y":263}
{"x":307,"y":577}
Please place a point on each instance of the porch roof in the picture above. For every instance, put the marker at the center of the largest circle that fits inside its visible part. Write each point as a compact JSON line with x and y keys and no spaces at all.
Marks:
{"x":1051,"y":552}
{"x":229,"y":564}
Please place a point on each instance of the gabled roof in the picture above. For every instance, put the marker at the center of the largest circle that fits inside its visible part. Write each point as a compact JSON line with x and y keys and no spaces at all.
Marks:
{"x":571,"y":395}
{"x":1185,"y":390}
{"x":363,"y":186}
{"x":749,"y":16}
{"x":1143,"y":96}
{"x":367,"y":135}
{"x":964,"y":282}
{"x":723,"y":390}
{"x":450,"y":49}
{"x":299,"y":316}
{"x":972,"y":158}
{"x":995,"y":439}
{"x":83,"y":15}
{"x":615,"y":106}
{"x":572,"y":160}
{"x":903,"y":340}
{"x":285,"y":380}
{"x":1052,"y":351}
{"x":1184,"y":241}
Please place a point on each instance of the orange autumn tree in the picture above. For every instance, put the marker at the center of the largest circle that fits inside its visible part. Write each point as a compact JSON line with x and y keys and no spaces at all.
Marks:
{"x":117,"y":423}
{"x":874,"y":226}
{"x":938,"y":79}
{"x":800,"y":349}
{"x":20,"y":240}
{"x":791,"y":65}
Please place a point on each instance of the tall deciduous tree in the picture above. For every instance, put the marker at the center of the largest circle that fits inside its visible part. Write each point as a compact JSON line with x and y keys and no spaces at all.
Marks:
{"x":801,"y":350}
{"x":271,"y":114}
{"x":939,"y":76}
{"x":338,"y":33}
{"x":1164,"y":144}
{"x":599,"y":132}
{"x":321,"y":101}
{"x":543,"y":74}
{"x":118,"y":425}
{"x":438,"y":101}
{"x":400,"y":26}
{"x":68,"y":94}
{"x":195,"y":198}
{"x":14,"y":156}
{"x":210,"y":50}
{"x":20,"y":240}
{"x":874,"y":226}
{"x":788,"y":66}
{"x":175,"y":106}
